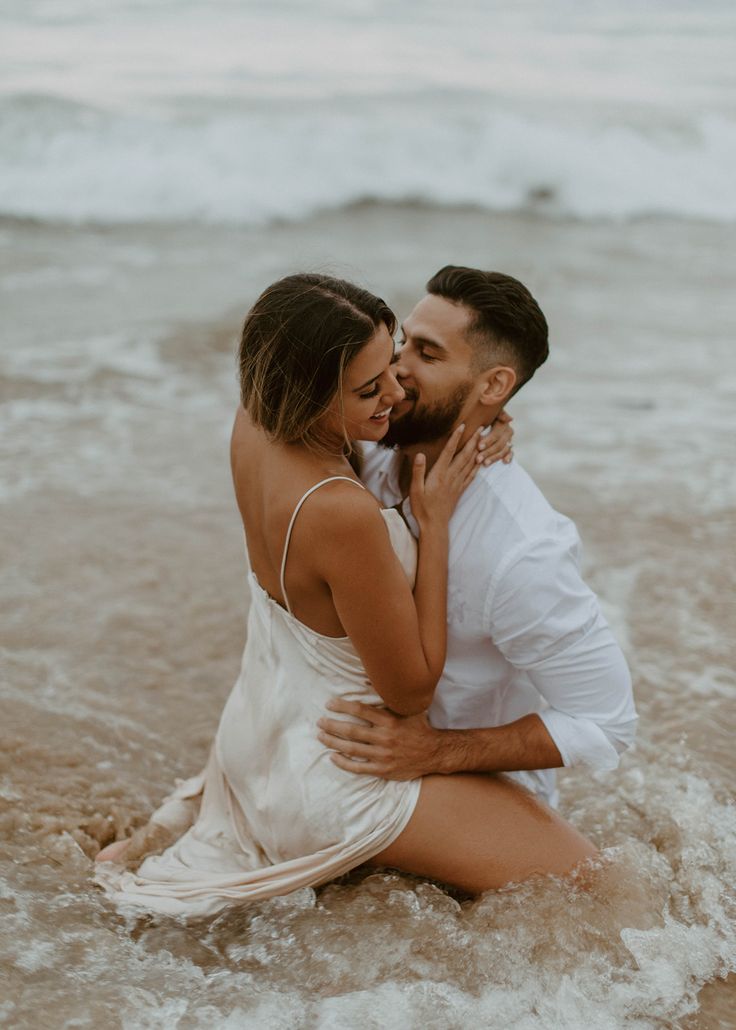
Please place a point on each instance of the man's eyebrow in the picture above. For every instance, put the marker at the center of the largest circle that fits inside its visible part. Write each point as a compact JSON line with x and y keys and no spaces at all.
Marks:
{"x":426,"y":342}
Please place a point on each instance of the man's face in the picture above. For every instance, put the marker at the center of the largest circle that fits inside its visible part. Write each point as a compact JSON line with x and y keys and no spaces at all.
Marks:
{"x":434,"y":368}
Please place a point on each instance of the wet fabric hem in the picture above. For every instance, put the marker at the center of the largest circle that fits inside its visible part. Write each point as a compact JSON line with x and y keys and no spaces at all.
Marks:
{"x":192,"y":900}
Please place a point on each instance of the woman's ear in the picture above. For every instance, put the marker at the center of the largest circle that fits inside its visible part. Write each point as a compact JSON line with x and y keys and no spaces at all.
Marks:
{"x":498,"y":384}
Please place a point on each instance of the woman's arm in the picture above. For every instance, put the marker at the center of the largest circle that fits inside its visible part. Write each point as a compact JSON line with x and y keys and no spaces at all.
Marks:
{"x":401,"y":639}
{"x":433,"y":499}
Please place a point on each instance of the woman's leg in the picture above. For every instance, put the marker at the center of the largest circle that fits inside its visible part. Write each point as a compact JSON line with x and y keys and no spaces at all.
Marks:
{"x":155,"y":836}
{"x":480,"y":832}
{"x":171,"y":820}
{"x":113,"y":852}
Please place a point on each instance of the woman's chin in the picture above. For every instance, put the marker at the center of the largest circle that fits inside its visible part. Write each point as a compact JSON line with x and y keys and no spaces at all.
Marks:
{"x":374,"y":432}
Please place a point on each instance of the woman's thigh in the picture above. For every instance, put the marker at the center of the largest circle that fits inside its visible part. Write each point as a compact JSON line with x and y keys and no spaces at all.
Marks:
{"x":480,"y":832}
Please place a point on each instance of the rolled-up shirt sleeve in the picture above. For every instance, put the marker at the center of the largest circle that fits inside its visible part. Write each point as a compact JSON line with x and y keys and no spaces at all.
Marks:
{"x":548,"y":624}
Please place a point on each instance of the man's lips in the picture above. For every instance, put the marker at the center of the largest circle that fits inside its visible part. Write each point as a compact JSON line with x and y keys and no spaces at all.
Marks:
{"x":403,"y":406}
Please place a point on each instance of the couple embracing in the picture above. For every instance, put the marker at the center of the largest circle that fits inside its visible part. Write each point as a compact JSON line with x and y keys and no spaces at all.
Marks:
{"x":399,"y":569}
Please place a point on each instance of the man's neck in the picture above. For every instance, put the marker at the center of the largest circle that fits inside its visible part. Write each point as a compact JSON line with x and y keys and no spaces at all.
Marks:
{"x":432,"y":450}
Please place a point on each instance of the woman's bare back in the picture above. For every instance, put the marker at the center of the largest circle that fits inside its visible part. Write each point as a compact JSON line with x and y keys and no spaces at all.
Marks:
{"x":269,"y":480}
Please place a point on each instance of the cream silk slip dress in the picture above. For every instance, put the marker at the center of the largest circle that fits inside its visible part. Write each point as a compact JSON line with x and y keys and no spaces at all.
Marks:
{"x":271,"y":812}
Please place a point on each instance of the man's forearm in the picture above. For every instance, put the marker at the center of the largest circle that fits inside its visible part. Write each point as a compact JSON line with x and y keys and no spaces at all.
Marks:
{"x":377,"y":742}
{"x":523,"y":744}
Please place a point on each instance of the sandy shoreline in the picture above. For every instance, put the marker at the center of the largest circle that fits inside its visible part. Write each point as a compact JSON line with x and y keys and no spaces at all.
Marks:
{"x":122,"y":598}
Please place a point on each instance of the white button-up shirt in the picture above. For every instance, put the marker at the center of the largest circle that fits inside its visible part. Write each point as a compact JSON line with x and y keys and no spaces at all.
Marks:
{"x":525,"y":633}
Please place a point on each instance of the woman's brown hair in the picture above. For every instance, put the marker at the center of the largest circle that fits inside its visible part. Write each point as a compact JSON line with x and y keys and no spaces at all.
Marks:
{"x":297,"y":341}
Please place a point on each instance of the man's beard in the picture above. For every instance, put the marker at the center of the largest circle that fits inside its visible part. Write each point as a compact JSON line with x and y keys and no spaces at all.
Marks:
{"x":424,"y":423}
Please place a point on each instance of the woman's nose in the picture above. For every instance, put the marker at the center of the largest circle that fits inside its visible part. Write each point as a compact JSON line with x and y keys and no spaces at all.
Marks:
{"x":394,"y":390}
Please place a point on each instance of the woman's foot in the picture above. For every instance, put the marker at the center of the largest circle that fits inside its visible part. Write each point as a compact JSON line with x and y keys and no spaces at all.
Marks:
{"x":113,"y":852}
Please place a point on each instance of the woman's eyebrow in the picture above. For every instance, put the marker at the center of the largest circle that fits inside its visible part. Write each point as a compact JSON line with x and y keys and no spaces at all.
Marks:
{"x":366,"y":383}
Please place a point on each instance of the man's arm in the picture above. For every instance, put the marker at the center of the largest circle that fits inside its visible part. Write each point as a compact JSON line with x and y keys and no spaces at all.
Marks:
{"x":395,"y":748}
{"x":548,"y":625}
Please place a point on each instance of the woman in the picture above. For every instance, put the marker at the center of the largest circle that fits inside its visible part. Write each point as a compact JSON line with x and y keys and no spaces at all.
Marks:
{"x":342,"y":604}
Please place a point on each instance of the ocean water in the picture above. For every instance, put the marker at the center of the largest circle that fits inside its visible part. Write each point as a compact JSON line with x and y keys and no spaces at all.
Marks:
{"x":159,"y":163}
{"x":243,"y":112}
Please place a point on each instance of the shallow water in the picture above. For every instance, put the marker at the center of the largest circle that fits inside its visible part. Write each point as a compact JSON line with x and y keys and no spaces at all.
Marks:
{"x":122,"y":604}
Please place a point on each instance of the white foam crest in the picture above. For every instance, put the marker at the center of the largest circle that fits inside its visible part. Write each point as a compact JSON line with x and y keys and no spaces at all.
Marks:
{"x":36,"y":955}
{"x":72,"y":163}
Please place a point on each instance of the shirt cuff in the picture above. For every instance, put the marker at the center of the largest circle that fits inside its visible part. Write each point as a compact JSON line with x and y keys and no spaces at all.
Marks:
{"x":580,"y":741}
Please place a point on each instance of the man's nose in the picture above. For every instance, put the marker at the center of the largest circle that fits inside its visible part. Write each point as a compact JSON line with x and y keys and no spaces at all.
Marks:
{"x":399,"y":366}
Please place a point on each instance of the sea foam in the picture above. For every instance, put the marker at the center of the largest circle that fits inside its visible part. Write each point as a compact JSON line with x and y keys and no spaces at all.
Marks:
{"x":74,"y":162}
{"x":271,"y":110}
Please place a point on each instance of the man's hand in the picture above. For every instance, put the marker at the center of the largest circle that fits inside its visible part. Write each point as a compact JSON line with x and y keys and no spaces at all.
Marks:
{"x":398,"y":747}
{"x":386,"y":745}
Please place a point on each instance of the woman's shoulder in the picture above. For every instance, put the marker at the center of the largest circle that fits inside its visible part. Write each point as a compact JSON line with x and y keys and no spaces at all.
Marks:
{"x":340,"y":518}
{"x":343,"y":497}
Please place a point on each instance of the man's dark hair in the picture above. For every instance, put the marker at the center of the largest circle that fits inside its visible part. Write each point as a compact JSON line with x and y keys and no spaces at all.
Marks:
{"x":507,"y":323}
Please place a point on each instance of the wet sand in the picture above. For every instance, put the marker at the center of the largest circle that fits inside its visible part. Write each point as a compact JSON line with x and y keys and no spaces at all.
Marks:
{"x":123,"y":597}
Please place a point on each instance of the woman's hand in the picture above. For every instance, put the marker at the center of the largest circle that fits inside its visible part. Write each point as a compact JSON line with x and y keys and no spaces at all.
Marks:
{"x":496,"y":445}
{"x":434,"y":495}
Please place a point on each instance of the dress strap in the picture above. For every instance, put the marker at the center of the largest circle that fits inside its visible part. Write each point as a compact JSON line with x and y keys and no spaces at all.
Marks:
{"x":330,"y":479}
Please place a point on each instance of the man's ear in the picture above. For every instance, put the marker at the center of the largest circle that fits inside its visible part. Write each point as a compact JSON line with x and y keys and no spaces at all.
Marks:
{"x":497,"y":385}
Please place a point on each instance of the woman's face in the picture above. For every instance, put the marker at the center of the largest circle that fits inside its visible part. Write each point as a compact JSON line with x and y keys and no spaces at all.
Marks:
{"x":369,"y":391}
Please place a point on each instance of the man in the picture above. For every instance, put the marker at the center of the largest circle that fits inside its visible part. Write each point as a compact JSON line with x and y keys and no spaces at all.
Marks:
{"x":534,"y":679}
